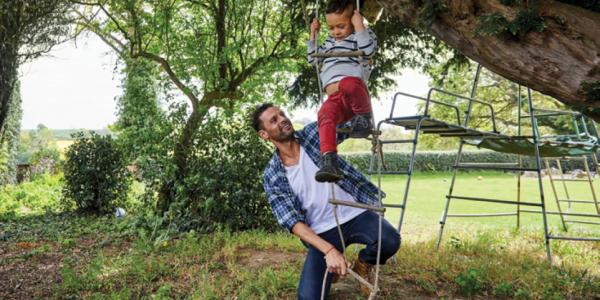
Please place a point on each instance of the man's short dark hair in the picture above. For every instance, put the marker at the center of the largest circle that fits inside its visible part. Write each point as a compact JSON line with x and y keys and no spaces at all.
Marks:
{"x":256,"y":113}
{"x":340,"y":6}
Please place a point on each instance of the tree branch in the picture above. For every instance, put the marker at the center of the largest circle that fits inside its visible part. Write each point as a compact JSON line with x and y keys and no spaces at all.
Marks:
{"x":238,"y":80}
{"x":167,"y":67}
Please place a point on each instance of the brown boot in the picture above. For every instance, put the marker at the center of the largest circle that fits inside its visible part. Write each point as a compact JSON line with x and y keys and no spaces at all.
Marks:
{"x":363,"y":269}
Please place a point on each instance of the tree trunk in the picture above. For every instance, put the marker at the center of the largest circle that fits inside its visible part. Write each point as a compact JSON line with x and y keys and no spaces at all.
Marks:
{"x":182,"y":151}
{"x":558,"y":61}
{"x":8,"y":76}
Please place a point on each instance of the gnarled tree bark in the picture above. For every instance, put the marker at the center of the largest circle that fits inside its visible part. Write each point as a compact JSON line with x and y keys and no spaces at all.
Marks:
{"x":557,"y":61}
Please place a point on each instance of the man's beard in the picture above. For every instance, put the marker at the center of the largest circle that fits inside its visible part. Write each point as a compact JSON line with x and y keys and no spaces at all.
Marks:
{"x":285,"y":136}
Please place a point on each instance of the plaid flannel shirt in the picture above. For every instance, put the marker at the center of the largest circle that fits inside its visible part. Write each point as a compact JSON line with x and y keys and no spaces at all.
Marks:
{"x":285,"y":204}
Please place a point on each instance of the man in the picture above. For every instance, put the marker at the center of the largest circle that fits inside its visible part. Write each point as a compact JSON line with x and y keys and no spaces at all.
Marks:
{"x":300,"y":203}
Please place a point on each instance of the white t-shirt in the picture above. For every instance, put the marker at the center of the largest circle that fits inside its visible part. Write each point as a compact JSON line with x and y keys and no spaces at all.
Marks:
{"x":315,"y":196}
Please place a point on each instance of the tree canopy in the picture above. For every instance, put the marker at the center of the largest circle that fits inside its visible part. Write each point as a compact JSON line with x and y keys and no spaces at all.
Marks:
{"x":28,"y":29}
{"x":550,"y":46}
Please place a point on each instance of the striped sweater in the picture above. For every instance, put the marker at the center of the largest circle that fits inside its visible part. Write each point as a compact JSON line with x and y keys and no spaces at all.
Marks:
{"x":336,"y":68}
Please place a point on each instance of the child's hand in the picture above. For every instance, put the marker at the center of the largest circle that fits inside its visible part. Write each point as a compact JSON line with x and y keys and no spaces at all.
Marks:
{"x":357,"y":21}
{"x":314,"y":28}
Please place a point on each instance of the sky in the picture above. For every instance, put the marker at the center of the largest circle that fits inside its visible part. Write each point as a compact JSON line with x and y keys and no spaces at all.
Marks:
{"x":76,"y":85}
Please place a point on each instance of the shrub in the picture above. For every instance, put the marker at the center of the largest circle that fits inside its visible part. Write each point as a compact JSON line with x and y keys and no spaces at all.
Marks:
{"x":469,"y":282}
{"x":436,"y":161}
{"x":39,"y":196}
{"x":224,"y":185}
{"x":95,"y":174}
{"x":504,"y":290}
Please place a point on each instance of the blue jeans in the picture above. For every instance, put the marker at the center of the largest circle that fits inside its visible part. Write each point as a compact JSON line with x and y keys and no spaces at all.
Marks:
{"x":363,"y":229}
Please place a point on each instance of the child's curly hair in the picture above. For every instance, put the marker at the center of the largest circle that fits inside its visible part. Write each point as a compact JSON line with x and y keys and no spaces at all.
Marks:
{"x":341,"y":6}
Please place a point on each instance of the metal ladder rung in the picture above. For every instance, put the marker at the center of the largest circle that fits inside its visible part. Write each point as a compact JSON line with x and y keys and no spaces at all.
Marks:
{"x":494,"y":200}
{"x":564,"y":214}
{"x":389,"y":172}
{"x":488,"y":164}
{"x":570,"y":179}
{"x":582,"y":222}
{"x":481,"y":215}
{"x":397,"y":141}
{"x":491,"y":166}
{"x":468,"y":133}
{"x":568,"y":238}
{"x":515,"y":137}
{"x":578,"y":201}
{"x":394,"y":206}
{"x":357,"y":205}
{"x":565,"y":158}
{"x":449,"y":135}
{"x":442,"y":130}
{"x":407,"y":118}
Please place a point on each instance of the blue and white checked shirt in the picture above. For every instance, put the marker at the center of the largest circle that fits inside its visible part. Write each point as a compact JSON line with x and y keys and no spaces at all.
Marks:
{"x":285,"y":204}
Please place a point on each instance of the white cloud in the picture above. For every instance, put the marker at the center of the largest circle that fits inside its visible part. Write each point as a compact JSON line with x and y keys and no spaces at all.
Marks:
{"x":72,"y":87}
{"x":75,"y":87}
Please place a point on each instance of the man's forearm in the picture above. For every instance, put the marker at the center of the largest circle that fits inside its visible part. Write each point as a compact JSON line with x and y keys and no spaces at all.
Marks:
{"x":307,"y":235}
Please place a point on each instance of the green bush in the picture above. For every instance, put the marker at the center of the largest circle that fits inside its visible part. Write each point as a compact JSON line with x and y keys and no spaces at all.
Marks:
{"x":436,"y":161}
{"x":224,"y":188}
{"x":95,"y":174}
{"x":38,"y":196}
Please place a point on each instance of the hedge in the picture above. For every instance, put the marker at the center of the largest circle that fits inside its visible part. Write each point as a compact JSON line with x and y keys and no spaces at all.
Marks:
{"x":436,"y":161}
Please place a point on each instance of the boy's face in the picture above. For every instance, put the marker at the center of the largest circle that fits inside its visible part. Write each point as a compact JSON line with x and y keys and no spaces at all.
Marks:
{"x":339,"y":24}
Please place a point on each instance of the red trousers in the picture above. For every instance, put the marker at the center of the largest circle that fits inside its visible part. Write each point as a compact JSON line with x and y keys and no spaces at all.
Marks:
{"x":352,"y":98}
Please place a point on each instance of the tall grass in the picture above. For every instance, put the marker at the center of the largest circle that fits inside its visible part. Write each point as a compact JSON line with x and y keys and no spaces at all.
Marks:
{"x":482,"y":258}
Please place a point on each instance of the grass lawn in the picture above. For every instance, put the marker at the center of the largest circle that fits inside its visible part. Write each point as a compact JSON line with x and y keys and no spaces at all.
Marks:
{"x":68,"y":256}
{"x":427,"y":199}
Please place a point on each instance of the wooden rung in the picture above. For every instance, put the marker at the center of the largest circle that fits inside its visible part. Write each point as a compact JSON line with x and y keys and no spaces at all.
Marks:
{"x":360,"y":279}
{"x":338,"y":54}
{"x":358,"y":205}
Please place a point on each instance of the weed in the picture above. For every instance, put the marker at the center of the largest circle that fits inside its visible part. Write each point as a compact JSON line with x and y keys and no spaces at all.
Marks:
{"x":469,"y":282}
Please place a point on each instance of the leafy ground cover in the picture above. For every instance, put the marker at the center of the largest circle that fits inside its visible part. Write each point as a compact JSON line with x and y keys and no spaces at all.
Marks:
{"x":46,"y":254}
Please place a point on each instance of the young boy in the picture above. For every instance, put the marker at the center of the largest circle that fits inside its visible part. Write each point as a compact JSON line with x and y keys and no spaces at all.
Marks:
{"x":344,"y":80}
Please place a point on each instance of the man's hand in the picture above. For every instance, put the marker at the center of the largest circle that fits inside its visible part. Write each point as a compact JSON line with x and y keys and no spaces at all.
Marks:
{"x":336,"y":263}
{"x":314,"y":28}
{"x":357,"y":21}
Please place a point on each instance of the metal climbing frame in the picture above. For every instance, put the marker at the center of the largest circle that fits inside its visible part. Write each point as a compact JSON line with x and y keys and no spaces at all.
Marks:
{"x":582,"y":133}
{"x":427,"y":125}
{"x":582,"y":218}
{"x":534,"y":114}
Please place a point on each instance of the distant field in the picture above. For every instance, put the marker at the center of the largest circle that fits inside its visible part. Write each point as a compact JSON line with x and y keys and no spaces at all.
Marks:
{"x":427,"y":198}
{"x":63,"y":144}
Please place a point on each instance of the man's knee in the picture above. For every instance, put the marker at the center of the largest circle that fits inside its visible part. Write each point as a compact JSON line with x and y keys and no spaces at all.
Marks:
{"x":390,"y":242}
{"x":309,"y":291}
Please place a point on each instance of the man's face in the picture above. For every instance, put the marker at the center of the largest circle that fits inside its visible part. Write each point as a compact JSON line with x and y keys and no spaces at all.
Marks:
{"x":275,"y":126}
